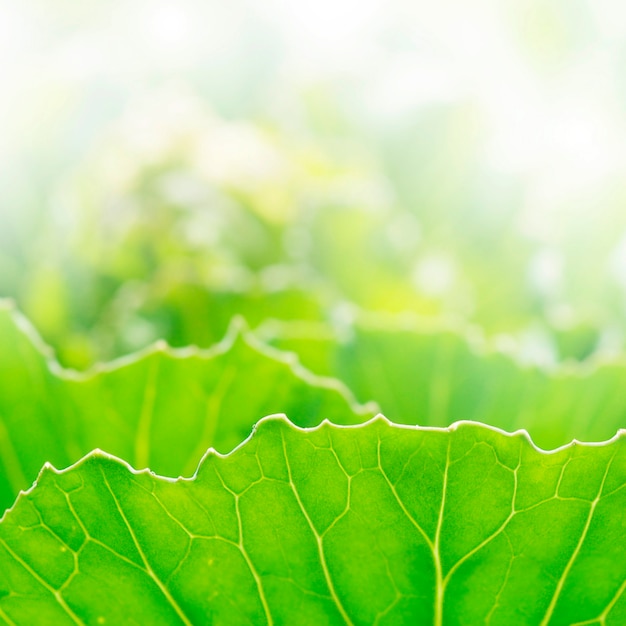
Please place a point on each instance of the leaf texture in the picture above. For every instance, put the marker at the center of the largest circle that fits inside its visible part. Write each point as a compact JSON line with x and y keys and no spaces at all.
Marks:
{"x":161,"y":408}
{"x":434,"y":376}
{"x":372,"y":524}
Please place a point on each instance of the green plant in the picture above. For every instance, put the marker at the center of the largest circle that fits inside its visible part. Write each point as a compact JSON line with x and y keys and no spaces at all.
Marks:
{"x":373,"y":524}
{"x":322,"y":516}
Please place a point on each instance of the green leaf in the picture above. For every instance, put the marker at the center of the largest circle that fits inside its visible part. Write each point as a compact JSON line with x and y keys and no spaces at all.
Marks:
{"x":180,"y":312}
{"x":427,"y":374}
{"x":373,"y":524}
{"x":161,"y":408}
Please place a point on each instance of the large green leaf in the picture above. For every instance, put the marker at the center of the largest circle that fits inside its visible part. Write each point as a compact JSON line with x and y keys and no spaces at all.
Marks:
{"x":374,"y":524}
{"x":423,"y":373}
{"x":161,"y":408}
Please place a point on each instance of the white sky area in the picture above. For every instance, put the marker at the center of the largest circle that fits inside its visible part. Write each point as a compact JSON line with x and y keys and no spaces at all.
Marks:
{"x":545,"y":81}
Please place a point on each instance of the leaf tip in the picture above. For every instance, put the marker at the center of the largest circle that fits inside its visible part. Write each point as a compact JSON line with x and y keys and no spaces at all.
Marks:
{"x":48,"y":467}
{"x":380,"y":418}
{"x":280,"y":418}
{"x":238,"y":326}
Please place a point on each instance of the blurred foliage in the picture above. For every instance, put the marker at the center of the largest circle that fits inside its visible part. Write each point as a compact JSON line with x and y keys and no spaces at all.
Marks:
{"x":259,"y":169}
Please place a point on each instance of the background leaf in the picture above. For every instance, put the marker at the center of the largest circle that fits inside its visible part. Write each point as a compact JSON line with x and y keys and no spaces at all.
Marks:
{"x":433,"y":374}
{"x":160,"y":409}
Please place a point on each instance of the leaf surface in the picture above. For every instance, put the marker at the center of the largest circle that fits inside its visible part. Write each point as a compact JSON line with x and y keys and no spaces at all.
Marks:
{"x":160,"y":409}
{"x":373,"y":524}
{"x":433,"y":376}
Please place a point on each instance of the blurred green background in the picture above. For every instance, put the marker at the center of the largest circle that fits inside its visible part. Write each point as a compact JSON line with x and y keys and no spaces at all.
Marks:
{"x":167,"y":164}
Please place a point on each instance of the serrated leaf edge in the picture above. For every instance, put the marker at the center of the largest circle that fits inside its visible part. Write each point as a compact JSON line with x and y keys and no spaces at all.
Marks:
{"x":281,"y":417}
{"x":478,"y":342}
